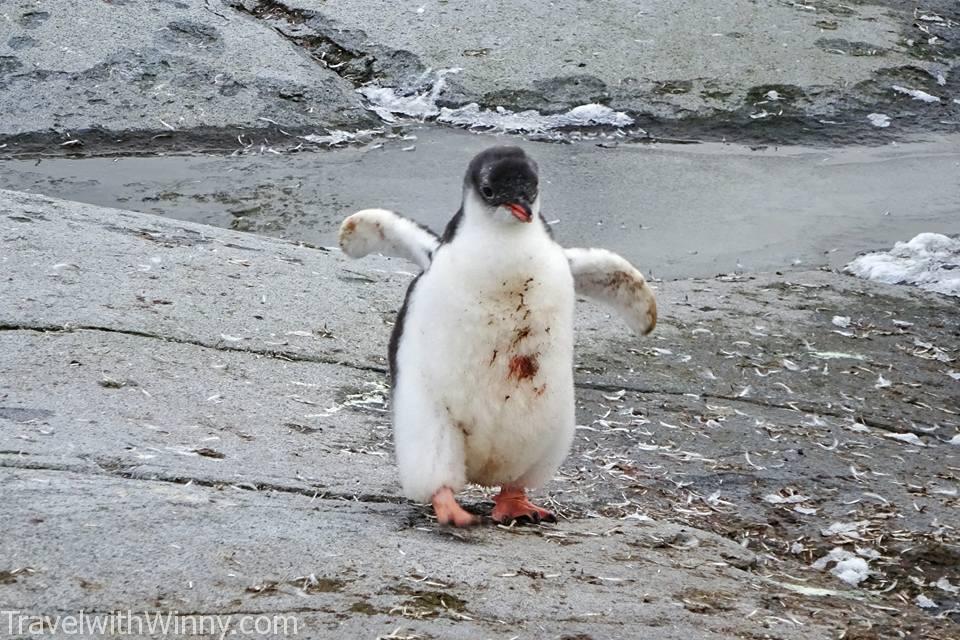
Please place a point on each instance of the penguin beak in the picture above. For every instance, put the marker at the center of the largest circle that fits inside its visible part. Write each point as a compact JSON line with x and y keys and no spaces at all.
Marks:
{"x":520,"y":210}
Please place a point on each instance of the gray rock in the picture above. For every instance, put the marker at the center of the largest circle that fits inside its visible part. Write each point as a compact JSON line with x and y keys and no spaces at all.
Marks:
{"x":192,"y":420}
{"x":138,"y":69}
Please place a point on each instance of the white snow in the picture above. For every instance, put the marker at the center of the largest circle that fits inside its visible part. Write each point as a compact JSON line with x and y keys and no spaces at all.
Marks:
{"x":916,"y":94}
{"x":930,"y":260}
{"x":879,"y":120}
{"x":421,"y":104}
{"x":501,"y":119}
{"x":841,"y":321}
{"x":337,"y":136}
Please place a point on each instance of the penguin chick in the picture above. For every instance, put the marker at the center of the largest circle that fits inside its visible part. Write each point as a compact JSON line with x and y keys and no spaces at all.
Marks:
{"x":481,"y":355}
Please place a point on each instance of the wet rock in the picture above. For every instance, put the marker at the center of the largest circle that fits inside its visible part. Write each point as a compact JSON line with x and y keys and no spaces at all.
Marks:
{"x":33,"y":19}
{"x":21,"y":42}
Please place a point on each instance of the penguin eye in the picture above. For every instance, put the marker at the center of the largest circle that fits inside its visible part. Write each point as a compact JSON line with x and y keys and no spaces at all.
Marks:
{"x":486,"y":191}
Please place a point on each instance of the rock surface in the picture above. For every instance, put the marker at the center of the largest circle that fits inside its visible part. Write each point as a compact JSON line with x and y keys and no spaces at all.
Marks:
{"x":194,"y":420}
{"x":142,"y":76}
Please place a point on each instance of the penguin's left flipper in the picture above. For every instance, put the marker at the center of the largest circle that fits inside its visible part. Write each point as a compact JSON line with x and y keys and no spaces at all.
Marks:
{"x":608,"y":278}
{"x":387,"y":233}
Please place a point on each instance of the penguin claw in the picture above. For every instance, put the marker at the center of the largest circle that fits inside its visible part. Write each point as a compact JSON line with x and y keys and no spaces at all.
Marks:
{"x":513,"y":507}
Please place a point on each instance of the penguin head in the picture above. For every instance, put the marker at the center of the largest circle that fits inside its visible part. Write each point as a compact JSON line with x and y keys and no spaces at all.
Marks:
{"x":504,"y":179}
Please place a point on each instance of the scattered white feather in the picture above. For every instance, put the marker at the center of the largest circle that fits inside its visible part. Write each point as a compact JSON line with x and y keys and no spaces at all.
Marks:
{"x":846,"y":529}
{"x":849,"y":567}
{"x":909,"y":438}
{"x":836,"y":355}
{"x":944,"y":585}
{"x":882,"y":383}
{"x":777,"y":499}
{"x":924,"y":602}
{"x":930,"y":261}
{"x":916,"y":94}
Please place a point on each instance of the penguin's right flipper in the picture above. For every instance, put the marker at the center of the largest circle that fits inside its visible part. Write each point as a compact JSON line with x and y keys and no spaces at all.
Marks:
{"x":387,"y":233}
{"x":610,"y":279}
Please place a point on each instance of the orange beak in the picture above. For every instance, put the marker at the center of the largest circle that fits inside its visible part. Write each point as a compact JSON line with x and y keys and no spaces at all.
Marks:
{"x":520,"y":211}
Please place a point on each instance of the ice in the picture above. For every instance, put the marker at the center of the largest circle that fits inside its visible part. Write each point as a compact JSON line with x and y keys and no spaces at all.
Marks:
{"x":879,"y":120}
{"x":916,"y":94}
{"x":930,"y":261}
{"x":336,"y":137}
{"x":420,"y":102}
{"x":501,"y":119}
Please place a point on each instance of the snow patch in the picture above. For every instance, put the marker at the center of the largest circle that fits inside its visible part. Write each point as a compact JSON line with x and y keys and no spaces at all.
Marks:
{"x":930,"y":261}
{"x":420,"y":102}
{"x":501,"y":119}
{"x":337,"y":137}
{"x":879,"y":120}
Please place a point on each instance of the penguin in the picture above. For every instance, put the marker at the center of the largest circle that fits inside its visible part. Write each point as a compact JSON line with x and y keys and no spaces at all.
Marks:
{"x":481,"y":354}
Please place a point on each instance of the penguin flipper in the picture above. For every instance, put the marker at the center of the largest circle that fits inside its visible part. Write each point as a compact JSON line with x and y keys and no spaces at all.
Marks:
{"x":387,"y":233}
{"x":610,"y":279}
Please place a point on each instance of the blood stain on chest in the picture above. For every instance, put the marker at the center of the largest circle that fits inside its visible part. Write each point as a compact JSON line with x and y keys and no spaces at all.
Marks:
{"x":523,"y":367}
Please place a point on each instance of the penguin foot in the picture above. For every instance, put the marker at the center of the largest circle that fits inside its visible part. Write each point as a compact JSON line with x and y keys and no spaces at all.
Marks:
{"x":448,"y":511}
{"x":512,"y":505}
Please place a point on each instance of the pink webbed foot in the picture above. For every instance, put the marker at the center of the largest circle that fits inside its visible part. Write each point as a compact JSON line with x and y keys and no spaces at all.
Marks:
{"x":512,"y":505}
{"x":448,"y":511}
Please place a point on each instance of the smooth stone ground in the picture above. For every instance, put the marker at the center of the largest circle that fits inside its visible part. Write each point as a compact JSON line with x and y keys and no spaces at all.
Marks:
{"x":193,"y":420}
